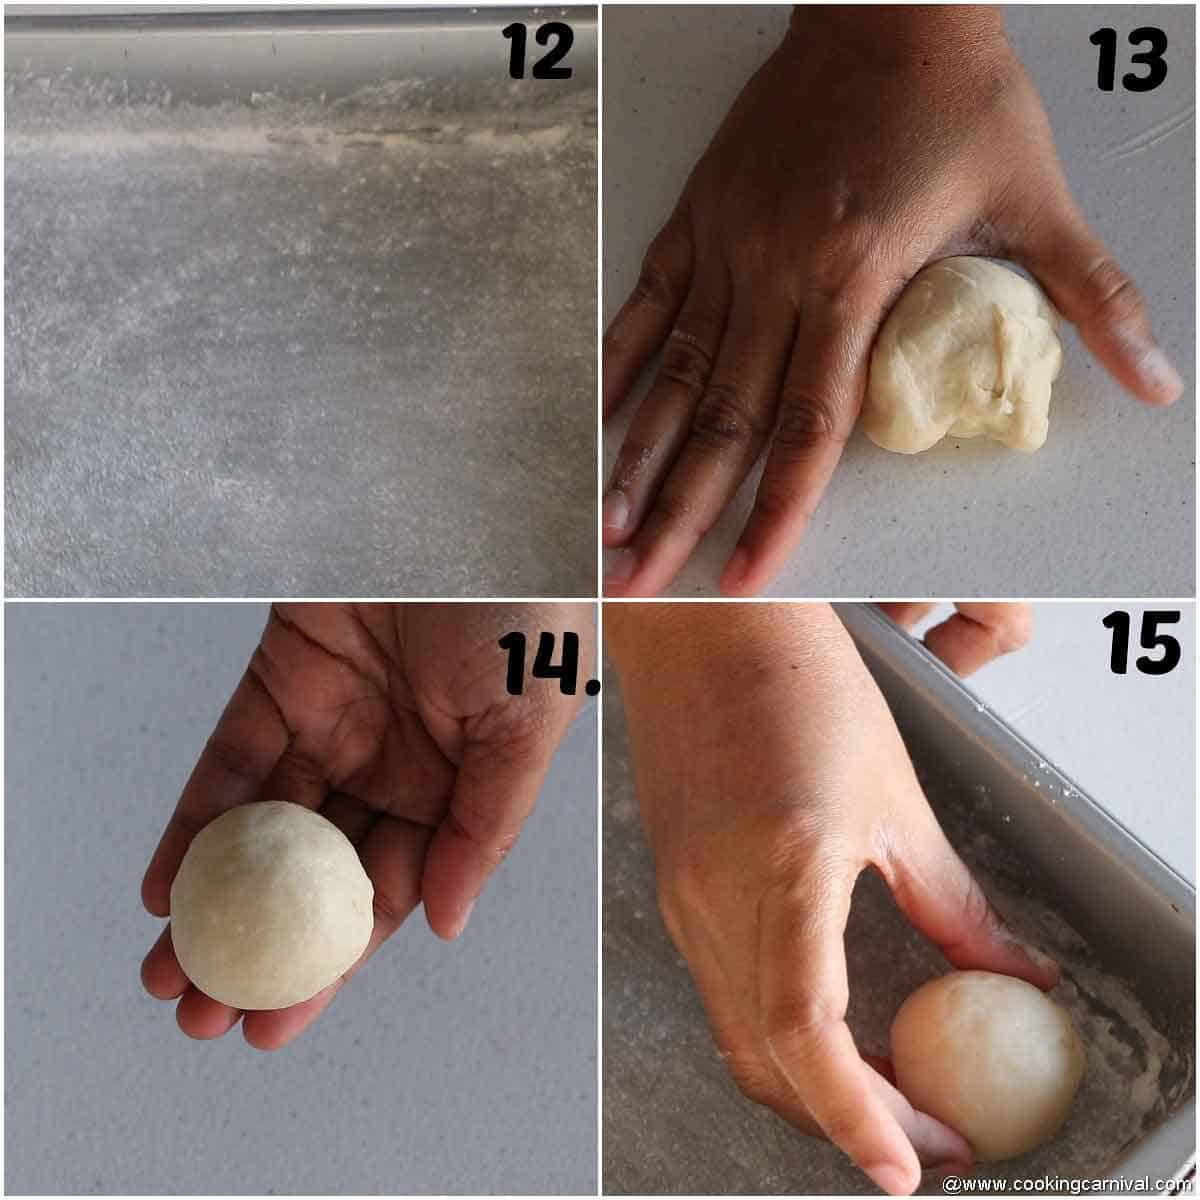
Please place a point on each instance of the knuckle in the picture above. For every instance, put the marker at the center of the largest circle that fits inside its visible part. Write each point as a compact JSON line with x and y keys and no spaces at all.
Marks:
{"x":632,"y":462}
{"x":1110,"y":295}
{"x":1016,"y":631}
{"x":391,"y":908}
{"x":977,"y":911}
{"x":675,"y":510}
{"x":811,"y":423}
{"x":725,"y":421}
{"x":491,"y":841}
{"x":799,"y":1015}
{"x":843,"y":1125}
{"x":779,"y":502}
{"x":686,"y":363}
{"x":233,"y":758}
{"x":752,"y":1079}
{"x":657,"y":282}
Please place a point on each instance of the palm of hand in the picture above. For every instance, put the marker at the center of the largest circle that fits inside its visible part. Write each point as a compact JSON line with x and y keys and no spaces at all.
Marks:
{"x":367,"y":714}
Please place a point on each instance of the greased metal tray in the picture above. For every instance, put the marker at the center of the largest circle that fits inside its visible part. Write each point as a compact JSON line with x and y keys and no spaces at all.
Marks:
{"x":1135,"y":916}
{"x":298,"y":303}
{"x":1065,"y":875}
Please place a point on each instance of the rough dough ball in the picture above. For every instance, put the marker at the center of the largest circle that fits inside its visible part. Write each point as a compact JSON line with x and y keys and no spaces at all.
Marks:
{"x":990,"y":1056}
{"x":270,"y":905}
{"x":970,"y":348}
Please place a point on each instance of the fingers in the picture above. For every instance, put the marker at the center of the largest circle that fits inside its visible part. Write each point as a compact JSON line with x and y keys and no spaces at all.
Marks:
{"x":240,"y":754}
{"x":942,"y":899}
{"x":494,"y":793}
{"x":162,"y":976}
{"x":661,"y":423}
{"x":1090,"y":289}
{"x":728,"y":429}
{"x":821,"y":397}
{"x":198,"y":1015}
{"x":202,"y":1017}
{"x":972,"y":636}
{"x":803,"y":994}
{"x":273,"y":1029}
{"x":978,"y":633}
{"x":906,"y":613}
{"x":936,"y":1144}
{"x":646,"y":317}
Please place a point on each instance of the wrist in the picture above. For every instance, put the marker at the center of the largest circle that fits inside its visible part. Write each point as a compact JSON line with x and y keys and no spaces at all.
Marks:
{"x":665,"y":645}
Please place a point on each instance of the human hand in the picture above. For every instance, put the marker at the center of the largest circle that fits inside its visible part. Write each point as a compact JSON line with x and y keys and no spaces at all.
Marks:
{"x":393,"y":721}
{"x":872,"y":142}
{"x":770,"y":775}
{"x":973,"y":635}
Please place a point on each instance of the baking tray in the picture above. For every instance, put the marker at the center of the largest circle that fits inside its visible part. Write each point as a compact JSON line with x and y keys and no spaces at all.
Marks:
{"x":298,"y":303}
{"x":1064,"y":874}
{"x":1136,"y":914}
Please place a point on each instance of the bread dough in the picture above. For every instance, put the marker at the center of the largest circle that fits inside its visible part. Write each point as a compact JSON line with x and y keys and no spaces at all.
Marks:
{"x":971,"y":348}
{"x":990,"y":1056}
{"x":270,"y":905}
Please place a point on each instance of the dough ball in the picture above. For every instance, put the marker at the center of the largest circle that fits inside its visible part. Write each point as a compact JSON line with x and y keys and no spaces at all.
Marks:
{"x":971,"y":348}
{"x":990,"y":1056}
{"x":270,"y":905}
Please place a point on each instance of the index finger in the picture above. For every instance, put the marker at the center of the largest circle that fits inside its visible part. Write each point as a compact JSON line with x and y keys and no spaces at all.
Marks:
{"x":249,"y":739}
{"x":803,"y":995}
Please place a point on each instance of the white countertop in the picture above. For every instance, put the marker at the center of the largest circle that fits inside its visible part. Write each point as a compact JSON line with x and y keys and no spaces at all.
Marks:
{"x":1107,"y":506}
{"x":1128,"y":740}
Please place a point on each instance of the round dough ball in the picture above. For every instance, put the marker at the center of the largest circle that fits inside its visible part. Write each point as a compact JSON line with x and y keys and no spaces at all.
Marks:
{"x":971,"y":348}
{"x":270,"y":905}
{"x":990,"y":1056}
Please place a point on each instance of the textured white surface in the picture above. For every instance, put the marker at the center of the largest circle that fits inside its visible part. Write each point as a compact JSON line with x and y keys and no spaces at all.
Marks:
{"x":461,"y":1068}
{"x":1107,"y":506}
{"x":1128,"y":740}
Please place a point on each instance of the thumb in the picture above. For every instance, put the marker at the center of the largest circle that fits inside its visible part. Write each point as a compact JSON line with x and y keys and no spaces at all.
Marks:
{"x":944,"y":901}
{"x":495,"y":789}
{"x":1089,"y":288}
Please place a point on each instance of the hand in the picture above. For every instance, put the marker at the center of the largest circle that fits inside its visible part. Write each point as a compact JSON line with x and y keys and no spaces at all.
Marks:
{"x":770,"y":775}
{"x":971,"y":637}
{"x":391,"y":720}
{"x":872,"y":142}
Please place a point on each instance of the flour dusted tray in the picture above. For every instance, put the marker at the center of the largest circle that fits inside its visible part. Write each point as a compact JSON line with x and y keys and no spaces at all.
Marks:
{"x":271,"y":318}
{"x":1073,"y":880}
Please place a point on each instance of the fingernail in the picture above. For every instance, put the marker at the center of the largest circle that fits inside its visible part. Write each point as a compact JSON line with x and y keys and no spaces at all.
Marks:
{"x":615,"y":511}
{"x":889,"y":1178}
{"x":620,"y":569}
{"x":462,"y":920}
{"x":1156,"y":369}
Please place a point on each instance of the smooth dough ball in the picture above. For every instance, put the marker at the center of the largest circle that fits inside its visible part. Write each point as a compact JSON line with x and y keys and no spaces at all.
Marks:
{"x":270,"y":905}
{"x":990,"y":1056}
{"x":971,"y":348}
